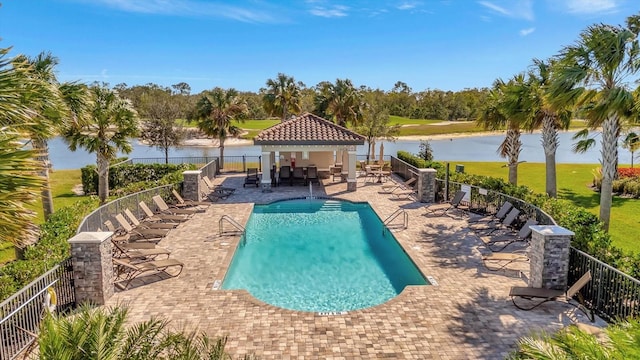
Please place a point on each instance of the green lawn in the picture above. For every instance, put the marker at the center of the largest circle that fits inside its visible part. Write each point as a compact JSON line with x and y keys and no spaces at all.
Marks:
{"x":573,"y":181}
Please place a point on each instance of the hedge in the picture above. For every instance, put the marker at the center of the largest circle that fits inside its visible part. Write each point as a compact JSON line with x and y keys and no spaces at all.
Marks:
{"x":123,"y":175}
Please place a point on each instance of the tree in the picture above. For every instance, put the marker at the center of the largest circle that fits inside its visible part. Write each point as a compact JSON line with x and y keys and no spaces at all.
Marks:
{"x":215,"y":111}
{"x":631,"y":142}
{"x":52,"y":105}
{"x":502,"y":110}
{"x":282,"y":96}
{"x":621,"y":341}
{"x":341,"y":100}
{"x":375,"y":125}
{"x":113,"y":122}
{"x":542,"y":114}
{"x":103,"y":333}
{"x":426,"y":152}
{"x":181,"y":88}
{"x":160,"y":128}
{"x":591,"y":75}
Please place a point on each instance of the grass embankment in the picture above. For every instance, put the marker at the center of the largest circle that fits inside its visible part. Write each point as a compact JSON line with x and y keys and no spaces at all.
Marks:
{"x":62,"y":183}
{"x":573,"y":182}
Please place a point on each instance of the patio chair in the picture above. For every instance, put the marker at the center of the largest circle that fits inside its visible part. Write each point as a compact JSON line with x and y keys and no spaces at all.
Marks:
{"x":390,"y":188}
{"x":298,"y":176}
{"x":335,"y":171}
{"x":506,"y":223}
{"x":202,"y":205}
{"x":442,"y":208}
{"x":404,"y":194}
{"x":502,"y":261}
{"x":165,"y":209}
{"x":500,"y":242}
{"x":148,"y":224}
{"x":212,"y":195}
{"x":502,"y":212}
{"x":285,"y":174}
{"x":539,"y":296}
{"x":127,"y":270}
{"x":138,"y":252}
{"x":252,"y":177}
{"x":141,"y":234}
{"x":119,"y":235}
{"x":217,"y":188}
{"x":312,"y":175}
{"x":151,"y":216}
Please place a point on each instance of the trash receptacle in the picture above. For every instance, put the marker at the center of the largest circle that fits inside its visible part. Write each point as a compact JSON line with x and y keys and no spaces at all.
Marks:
{"x":459,"y":168}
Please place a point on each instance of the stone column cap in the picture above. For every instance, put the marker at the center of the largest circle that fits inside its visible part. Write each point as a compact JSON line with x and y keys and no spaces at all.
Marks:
{"x":428,"y":170}
{"x":91,"y":237}
{"x":551,"y":230}
{"x":191,"y":172}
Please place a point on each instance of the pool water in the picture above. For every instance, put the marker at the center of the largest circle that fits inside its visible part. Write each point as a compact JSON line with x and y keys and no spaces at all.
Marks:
{"x":320,"y":255}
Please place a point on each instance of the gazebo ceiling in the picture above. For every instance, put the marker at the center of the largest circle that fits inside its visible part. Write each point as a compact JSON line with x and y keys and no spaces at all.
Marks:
{"x":308,"y":129}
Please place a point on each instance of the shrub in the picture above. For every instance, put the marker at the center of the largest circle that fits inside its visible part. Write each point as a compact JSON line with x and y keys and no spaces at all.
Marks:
{"x":122,"y":175}
{"x":421,"y":163}
{"x":628,"y":172}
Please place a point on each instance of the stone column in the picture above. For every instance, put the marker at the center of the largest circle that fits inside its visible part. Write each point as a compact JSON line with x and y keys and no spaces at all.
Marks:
{"x":549,"y":256}
{"x":426,"y":185}
{"x":352,"y":181}
{"x":93,"y":276}
{"x":265,"y":181}
{"x":191,"y":185}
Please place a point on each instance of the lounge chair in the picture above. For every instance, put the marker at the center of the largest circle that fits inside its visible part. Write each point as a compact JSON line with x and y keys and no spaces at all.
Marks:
{"x":501,"y":241}
{"x":138,"y":252}
{"x":202,"y":205}
{"x":148,"y":224}
{"x":506,"y":223}
{"x":119,"y":235}
{"x":151,"y":216}
{"x":141,"y":234}
{"x":252,"y":177}
{"x":217,"y":188}
{"x":298,"y":176}
{"x":501,"y":261}
{"x":390,"y":188}
{"x":127,"y":270}
{"x":212,"y":195}
{"x":312,"y":175}
{"x":404,"y":194}
{"x":166,"y":209}
{"x":502,"y":212}
{"x":285,"y":174}
{"x":443,"y":208}
{"x":541,"y":295}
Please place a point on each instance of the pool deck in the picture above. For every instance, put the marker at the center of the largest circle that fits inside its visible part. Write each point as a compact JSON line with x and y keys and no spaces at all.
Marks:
{"x":467,"y":315}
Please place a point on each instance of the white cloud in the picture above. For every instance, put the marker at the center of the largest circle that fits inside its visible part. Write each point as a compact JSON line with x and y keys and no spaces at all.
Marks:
{"x":519,"y":9}
{"x":408,"y":5}
{"x":189,"y":8}
{"x":591,"y":6}
{"x":525,"y":32}
{"x":330,"y":12}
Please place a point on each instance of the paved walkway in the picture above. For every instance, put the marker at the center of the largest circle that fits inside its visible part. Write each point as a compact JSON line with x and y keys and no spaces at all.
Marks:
{"x":467,"y":315}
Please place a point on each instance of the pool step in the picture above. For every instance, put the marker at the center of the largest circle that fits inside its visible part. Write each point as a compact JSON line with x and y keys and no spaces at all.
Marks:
{"x":331,"y":206}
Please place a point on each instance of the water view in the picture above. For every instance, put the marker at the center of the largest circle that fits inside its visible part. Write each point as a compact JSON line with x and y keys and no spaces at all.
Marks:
{"x":475,"y":148}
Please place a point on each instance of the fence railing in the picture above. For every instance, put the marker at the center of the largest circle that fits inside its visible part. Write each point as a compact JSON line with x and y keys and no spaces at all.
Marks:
{"x":96,"y":219}
{"x":241,"y":163}
{"x":22,"y":313}
{"x":172,"y":160}
{"x":611,"y":293}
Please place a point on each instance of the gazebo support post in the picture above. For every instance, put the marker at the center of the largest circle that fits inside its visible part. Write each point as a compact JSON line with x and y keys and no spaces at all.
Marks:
{"x":352,"y":184}
{"x":265,"y":182}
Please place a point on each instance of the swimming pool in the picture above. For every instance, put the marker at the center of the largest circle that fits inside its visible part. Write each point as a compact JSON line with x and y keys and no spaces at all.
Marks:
{"x":320,"y":255}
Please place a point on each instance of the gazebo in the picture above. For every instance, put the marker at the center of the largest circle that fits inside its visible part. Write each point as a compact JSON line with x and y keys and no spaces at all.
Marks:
{"x":309,"y":140}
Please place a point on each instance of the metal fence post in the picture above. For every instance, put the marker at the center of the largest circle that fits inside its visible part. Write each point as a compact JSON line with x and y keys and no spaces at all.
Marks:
{"x":244,"y":163}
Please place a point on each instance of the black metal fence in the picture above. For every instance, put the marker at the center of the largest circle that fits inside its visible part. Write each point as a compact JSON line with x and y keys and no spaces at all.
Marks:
{"x":198,"y":160}
{"x":22,"y":313}
{"x":611,"y":293}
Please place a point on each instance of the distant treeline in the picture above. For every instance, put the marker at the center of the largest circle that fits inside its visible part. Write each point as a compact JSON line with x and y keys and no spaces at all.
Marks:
{"x":400,"y":101}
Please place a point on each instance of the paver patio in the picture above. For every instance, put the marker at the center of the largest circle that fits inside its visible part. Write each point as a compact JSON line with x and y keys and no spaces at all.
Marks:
{"x":467,"y":315}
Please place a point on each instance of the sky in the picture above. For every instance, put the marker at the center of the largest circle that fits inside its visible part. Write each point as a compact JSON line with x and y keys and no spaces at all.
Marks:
{"x":429,"y":44}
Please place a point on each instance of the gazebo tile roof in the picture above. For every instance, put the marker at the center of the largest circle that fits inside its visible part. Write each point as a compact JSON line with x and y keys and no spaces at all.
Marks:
{"x":308,"y":129}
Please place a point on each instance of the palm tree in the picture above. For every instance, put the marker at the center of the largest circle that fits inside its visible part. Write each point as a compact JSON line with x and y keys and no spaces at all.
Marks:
{"x":102,"y":333}
{"x":215,"y":112}
{"x":113,"y":122}
{"x":631,"y":142}
{"x":375,"y":125}
{"x":592,"y":75}
{"x":617,"y":341}
{"x":282,"y":96}
{"x":341,"y":100}
{"x":542,"y":114}
{"x":503,"y":109}
{"x":52,"y":104}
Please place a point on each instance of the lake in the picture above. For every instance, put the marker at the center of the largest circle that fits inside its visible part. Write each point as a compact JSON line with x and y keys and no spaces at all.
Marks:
{"x":474,"y":148}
